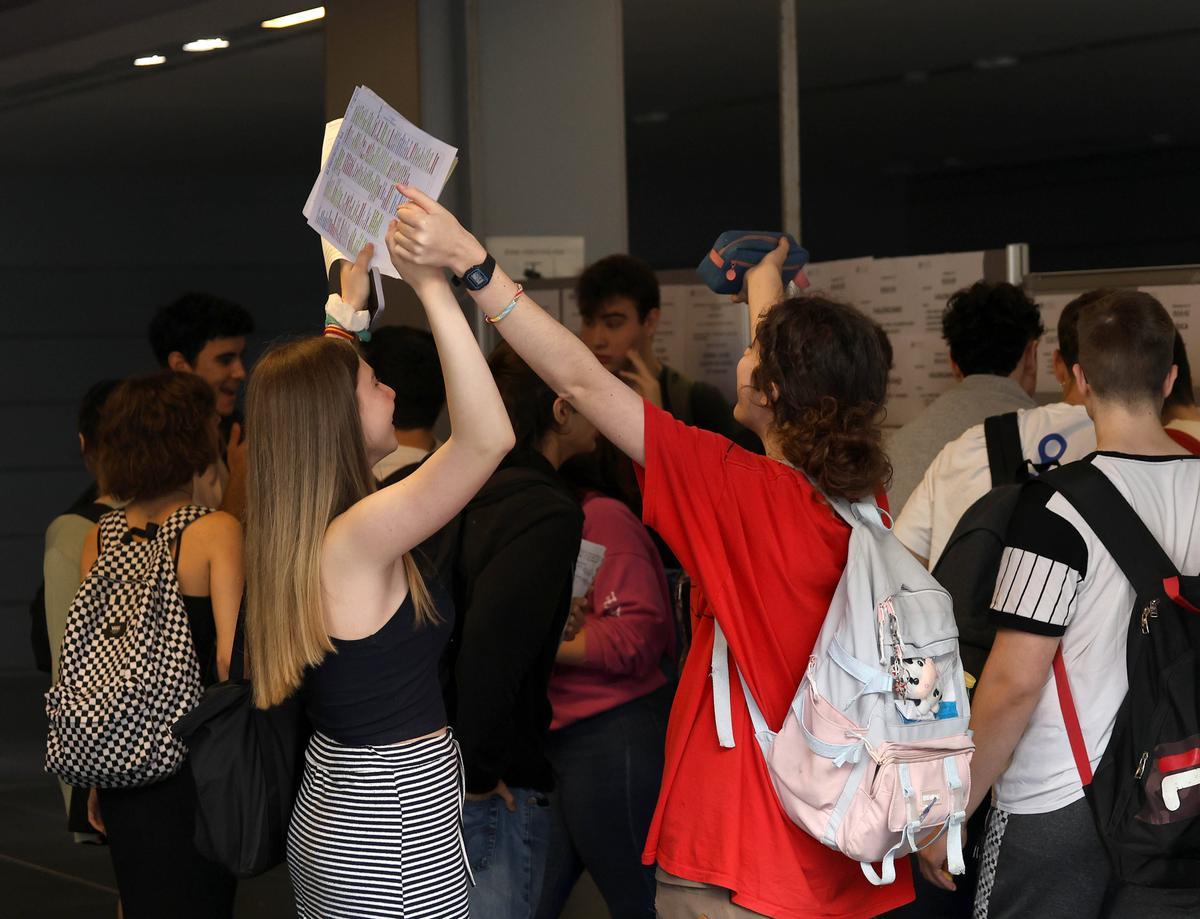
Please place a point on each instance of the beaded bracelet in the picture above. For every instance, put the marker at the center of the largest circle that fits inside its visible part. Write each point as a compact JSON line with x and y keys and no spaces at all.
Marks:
{"x":512,"y":305}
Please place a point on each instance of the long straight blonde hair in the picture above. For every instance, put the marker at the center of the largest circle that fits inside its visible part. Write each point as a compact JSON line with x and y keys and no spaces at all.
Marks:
{"x":306,"y":464}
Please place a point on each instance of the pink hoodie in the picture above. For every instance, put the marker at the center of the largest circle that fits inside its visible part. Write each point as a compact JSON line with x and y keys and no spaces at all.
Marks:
{"x":629,"y":623}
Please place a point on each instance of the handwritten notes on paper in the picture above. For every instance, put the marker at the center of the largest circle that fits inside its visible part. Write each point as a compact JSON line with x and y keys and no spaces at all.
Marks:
{"x":354,"y":197}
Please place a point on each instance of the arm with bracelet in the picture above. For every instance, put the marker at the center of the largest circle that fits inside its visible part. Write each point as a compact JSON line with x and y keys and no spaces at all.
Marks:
{"x":428,"y":234}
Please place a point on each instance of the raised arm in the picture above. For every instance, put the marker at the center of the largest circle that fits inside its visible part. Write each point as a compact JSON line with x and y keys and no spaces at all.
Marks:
{"x":430,"y":235}
{"x":393,"y":520}
{"x":763,"y":284}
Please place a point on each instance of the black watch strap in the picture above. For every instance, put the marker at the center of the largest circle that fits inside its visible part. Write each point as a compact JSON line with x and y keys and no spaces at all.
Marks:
{"x":479,"y":276}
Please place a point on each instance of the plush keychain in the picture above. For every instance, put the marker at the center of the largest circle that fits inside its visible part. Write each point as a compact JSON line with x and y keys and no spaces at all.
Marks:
{"x":921,"y":695}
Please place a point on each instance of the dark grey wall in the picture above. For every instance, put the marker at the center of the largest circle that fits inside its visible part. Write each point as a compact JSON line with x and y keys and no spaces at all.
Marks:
{"x":86,"y":260}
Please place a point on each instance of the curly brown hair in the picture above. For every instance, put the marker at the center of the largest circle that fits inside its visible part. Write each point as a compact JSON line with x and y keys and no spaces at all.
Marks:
{"x":157,"y":433}
{"x":823,"y":365}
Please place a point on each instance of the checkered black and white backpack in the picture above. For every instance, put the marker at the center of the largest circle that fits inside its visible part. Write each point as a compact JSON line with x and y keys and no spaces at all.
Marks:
{"x":128,"y":666}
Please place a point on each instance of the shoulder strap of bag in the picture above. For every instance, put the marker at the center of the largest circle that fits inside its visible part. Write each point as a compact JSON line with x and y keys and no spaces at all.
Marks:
{"x":1116,"y":524}
{"x":113,"y":527}
{"x":1006,"y":459}
{"x":722,"y":688}
{"x":855,"y":514}
{"x":179,"y":520}
{"x":1134,"y":549}
{"x":1184,"y":439}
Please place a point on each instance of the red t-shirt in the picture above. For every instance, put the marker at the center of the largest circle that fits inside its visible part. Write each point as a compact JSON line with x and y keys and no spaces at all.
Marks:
{"x":765,"y":555}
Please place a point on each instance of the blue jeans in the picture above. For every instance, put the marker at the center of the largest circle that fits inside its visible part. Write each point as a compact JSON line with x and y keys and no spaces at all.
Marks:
{"x":507,"y":851}
{"x":607,"y":769}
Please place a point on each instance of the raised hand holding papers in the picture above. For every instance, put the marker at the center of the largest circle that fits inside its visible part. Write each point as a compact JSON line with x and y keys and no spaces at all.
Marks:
{"x":354,"y":197}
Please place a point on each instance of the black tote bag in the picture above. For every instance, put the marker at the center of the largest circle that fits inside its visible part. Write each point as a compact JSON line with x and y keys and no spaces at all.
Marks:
{"x":247,"y":763}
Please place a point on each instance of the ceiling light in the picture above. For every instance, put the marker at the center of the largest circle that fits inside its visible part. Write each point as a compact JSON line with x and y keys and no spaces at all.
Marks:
{"x":152,"y":60}
{"x":206,"y":44}
{"x":294,"y":19}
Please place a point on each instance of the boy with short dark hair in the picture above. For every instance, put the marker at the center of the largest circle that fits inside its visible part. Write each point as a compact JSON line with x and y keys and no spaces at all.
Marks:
{"x":992,"y":332}
{"x":406,"y":360}
{"x":1059,"y":586}
{"x":619,"y":301}
{"x":959,"y":474}
{"x":206,"y":335}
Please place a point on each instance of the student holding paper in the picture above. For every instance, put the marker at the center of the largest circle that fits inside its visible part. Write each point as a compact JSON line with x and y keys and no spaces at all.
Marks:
{"x":611,"y":697}
{"x":337,"y":604}
{"x":765,"y":551}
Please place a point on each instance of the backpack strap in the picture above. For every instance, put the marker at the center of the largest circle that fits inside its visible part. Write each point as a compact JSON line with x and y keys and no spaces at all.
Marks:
{"x":1135,"y":550}
{"x":1006,"y":459}
{"x":722,"y":704}
{"x":1066,"y":702}
{"x":113,"y":527}
{"x":1116,"y":524}
{"x":1184,"y":439}
{"x":172,"y":528}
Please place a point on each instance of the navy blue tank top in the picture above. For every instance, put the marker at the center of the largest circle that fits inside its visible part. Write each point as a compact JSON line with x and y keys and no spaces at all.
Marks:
{"x":384,"y":688}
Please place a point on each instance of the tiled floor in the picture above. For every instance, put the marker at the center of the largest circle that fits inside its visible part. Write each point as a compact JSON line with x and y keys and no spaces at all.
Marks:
{"x":43,"y":874}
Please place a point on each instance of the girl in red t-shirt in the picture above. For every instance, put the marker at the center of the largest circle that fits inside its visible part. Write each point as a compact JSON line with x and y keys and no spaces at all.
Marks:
{"x":763,"y":547}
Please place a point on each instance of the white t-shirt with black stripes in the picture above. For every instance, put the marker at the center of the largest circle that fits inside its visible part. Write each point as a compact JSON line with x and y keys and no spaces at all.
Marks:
{"x":1057,"y":579}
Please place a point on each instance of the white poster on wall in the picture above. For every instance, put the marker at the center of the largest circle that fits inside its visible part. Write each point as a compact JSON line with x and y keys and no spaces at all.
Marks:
{"x":907,"y":296}
{"x":670,"y":340}
{"x":1051,"y":305}
{"x":841,"y":279}
{"x":1182,"y":301}
{"x":531,"y":257}
{"x":717,"y":334}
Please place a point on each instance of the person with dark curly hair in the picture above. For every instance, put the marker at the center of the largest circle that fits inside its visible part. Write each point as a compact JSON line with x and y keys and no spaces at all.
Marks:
{"x":992,"y":331}
{"x":960,"y":475}
{"x":764,"y":548}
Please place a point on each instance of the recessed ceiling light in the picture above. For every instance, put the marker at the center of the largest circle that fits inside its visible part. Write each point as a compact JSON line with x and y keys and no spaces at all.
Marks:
{"x":206,"y":44}
{"x":151,"y":60}
{"x":294,"y":19}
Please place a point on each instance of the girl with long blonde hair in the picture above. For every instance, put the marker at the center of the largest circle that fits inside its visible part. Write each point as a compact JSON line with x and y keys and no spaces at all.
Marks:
{"x":338,"y":609}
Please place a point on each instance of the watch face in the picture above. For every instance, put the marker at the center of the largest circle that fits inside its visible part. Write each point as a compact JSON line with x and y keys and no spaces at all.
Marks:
{"x":476,"y":278}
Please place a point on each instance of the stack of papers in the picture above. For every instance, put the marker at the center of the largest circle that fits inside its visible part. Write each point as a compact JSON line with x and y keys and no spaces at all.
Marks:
{"x":355,"y":197}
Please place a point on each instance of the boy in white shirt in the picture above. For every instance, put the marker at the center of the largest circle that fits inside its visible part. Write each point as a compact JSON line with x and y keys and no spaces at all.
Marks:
{"x":1041,"y":853}
{"x":959,"y":475}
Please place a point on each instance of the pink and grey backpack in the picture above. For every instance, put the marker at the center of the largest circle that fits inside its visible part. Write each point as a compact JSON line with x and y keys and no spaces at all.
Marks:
{"x":873,"y":758}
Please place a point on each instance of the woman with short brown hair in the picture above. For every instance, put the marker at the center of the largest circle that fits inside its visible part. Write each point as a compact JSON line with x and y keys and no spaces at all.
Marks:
{"x":158,"y":432}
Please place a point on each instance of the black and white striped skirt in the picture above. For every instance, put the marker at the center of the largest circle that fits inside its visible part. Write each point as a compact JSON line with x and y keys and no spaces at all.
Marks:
{"x":377,"y":831}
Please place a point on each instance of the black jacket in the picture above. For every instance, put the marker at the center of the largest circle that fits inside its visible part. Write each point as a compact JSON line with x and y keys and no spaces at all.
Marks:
{"x":509,"y":559}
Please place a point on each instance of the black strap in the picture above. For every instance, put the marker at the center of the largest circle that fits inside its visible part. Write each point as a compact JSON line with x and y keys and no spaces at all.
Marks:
{"x":1006,"y":459}
{"x":1115,"y":523}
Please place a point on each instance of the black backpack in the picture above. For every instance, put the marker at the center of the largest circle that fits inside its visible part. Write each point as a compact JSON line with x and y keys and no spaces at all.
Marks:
{"x":1145,"y":793}
{"x":968,"y":565}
